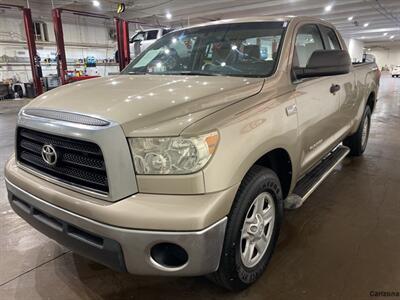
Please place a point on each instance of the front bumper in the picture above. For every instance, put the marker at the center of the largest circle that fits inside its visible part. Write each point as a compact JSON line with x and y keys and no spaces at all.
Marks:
{"x":119,"y":248}
{"x":122,"y":229}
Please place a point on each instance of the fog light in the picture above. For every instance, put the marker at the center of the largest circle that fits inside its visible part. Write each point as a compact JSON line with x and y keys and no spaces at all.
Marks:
{"x":169,"y":255}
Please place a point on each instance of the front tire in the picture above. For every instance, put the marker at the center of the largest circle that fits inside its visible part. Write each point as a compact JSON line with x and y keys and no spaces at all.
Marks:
{"x":116,"y":56}
{"x":252,"y":230}
{"x":359,"y":140}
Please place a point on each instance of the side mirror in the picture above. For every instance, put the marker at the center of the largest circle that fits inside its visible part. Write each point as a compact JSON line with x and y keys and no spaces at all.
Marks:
{"x":325,"y":63}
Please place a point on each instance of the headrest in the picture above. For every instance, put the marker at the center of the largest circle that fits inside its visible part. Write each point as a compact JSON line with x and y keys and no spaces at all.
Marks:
{"x":252,"y":51}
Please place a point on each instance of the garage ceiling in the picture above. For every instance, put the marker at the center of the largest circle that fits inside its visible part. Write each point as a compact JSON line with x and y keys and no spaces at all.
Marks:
{"x":382,"y":16}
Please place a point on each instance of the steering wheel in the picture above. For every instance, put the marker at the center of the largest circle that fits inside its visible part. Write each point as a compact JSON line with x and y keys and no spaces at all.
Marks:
{"x":215,"y":67}
{"x":171,"y":60}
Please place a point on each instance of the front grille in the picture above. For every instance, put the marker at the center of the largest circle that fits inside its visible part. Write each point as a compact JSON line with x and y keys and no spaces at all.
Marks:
{"x":79,"y":163}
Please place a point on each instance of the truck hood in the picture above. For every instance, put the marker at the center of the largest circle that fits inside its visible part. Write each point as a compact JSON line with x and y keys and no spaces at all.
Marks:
{"x":150,"y":105}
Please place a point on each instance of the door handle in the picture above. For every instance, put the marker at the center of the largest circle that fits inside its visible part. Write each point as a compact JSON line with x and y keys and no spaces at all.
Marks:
{"x":334,"y":88}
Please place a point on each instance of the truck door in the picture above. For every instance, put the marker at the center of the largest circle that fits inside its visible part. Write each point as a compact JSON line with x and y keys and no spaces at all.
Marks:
{"x":348,"y":96}
{"x":317,"y":106}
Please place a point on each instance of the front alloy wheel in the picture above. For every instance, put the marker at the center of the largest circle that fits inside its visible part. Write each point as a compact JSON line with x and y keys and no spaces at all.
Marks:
{"x":257,"y":229}
{"x":252,"y":230}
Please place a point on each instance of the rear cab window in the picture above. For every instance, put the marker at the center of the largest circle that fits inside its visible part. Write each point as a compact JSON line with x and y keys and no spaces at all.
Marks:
{"x":330,"y":38}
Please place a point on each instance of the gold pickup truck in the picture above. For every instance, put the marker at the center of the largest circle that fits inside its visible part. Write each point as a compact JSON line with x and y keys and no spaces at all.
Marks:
{"x":183,"y":164}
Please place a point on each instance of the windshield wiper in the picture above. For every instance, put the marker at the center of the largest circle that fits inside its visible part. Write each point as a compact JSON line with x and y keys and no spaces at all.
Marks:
{"x":136,"y":73}
{"x":173,"y":73}
{"x":194,"y":73}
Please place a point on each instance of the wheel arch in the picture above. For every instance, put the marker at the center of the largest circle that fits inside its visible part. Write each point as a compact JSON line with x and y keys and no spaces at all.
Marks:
{"x":279,"y":161}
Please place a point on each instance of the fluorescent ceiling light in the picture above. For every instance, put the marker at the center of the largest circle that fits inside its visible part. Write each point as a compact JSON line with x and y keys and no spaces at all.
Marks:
{"x":350,"y":18}
{"x":96,"y":3}
{"x":366,"y":24}
{"x":385,"y":34}
{"x":378,"y":30}
{"x":392,"y":36}
{"x":168,"y":15}
{"x":328,"y":7}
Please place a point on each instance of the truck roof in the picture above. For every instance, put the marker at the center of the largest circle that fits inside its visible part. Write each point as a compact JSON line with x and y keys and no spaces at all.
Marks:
{"x":277,"y":18}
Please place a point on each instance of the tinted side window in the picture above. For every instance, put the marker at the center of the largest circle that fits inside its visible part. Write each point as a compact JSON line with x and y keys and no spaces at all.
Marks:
{"x":152,"y":35}
{"x":165,"y":31}
{"x":331,"y":40}
{"x":308,"y":40}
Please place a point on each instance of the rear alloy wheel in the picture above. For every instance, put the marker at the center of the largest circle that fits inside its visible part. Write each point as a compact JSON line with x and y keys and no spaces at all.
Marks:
{"x":365,"y":132}
{"x":252,"y":230}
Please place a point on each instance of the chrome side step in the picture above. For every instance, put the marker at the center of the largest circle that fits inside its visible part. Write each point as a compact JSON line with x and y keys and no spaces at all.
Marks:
{"x":315,"y":177}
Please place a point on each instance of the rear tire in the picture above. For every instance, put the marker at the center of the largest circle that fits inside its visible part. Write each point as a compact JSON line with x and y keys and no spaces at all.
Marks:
{"x":252,"y":230}
{"x":359,"y":140}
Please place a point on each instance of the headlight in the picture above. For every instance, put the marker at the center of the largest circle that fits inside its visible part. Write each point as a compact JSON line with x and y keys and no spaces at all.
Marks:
{"x":172,"y":155}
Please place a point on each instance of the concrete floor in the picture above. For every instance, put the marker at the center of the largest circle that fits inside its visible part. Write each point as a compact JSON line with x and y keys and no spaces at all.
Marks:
{"x":342,"y":244}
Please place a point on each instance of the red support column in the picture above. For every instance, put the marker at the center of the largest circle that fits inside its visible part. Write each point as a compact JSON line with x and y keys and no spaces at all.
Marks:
{"x":121,"y":54}
{"x":58,"y":32}
{"x":125,"y":42}
{"x":33,"y":57}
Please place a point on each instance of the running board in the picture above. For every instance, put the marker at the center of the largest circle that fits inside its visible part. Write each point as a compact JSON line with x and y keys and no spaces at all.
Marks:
{"x":315,"y":177}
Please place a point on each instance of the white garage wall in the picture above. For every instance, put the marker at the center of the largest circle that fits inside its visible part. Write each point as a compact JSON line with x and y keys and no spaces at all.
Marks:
{"x":356,"y":49}
{"x":389,"y":57}
{"x":81,"y":41}
{"x":74,"y":34}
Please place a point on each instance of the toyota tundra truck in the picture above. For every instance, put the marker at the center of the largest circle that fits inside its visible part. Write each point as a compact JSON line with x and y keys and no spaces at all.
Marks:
{"x":183,"y":164}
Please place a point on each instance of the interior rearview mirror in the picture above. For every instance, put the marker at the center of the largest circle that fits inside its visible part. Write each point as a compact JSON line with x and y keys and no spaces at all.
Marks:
{"x":325,"y":63}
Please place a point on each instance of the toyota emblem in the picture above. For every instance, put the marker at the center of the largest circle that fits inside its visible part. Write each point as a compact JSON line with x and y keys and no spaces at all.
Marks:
{"x":49,"y":155}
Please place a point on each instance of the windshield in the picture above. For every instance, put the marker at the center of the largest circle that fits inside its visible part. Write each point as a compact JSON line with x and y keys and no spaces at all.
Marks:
{"x":241,"y":49}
